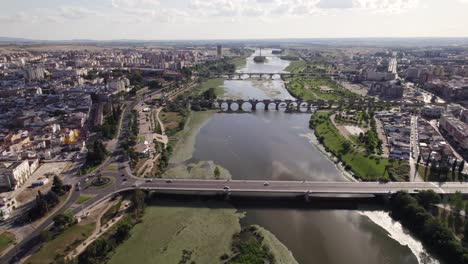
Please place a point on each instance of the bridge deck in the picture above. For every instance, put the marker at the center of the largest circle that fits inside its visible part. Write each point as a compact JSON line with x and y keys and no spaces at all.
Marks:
{"x":299,"y":187}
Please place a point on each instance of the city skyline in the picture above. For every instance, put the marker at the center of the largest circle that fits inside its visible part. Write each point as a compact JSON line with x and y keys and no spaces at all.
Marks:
{"x":231,"y":19}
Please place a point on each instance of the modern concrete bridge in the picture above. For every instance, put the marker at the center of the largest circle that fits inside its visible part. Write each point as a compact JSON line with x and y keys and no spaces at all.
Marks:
{"x":290,"y":105}
{"x":295,"y":188}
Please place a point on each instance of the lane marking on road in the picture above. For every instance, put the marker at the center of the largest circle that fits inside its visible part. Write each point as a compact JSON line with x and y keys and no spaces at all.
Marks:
{"x":438,"y":187}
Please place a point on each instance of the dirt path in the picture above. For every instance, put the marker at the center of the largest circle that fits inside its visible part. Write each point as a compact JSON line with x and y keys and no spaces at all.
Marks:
{"x":99,"y":229}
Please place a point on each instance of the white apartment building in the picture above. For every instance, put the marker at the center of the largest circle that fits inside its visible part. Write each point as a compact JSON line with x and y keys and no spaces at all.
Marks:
{"x":13,"y":174}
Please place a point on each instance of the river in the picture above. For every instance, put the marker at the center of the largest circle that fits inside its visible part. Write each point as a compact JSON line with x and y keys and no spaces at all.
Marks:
{"x":276,"y":146}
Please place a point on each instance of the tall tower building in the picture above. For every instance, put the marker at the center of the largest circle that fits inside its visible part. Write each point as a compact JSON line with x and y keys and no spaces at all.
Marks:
{"x":219,"y":50}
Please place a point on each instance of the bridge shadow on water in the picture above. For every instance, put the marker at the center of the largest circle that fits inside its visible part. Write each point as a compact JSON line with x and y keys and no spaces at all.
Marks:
{"x":367,"y":203}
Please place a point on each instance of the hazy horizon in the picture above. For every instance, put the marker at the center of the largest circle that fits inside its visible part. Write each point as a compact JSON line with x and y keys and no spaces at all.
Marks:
{"x":232,"y":19}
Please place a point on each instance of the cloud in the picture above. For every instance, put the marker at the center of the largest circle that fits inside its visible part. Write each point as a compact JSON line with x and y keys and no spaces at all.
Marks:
{"x":238,"y":8}
{"x":58,"y":15}
{"x":386,"y":6}
{"x":339,"y":4}
{"x":20,"y":17}
{"x":135,"y":3}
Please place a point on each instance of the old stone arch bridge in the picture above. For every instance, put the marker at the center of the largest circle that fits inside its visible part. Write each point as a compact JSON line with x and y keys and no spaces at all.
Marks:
{"x":299,"y":106}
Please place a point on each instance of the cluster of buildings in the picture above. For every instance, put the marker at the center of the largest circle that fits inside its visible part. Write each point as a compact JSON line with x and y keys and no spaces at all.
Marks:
{"x":454,"y":122}
{"x":431,"y":144}
{"x":397,"y":129}
{"x":48,"y":98}
{"x":442,"y":71}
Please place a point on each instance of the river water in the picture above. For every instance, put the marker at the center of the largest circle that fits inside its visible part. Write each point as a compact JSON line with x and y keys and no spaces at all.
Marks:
{"x":276,"y":146}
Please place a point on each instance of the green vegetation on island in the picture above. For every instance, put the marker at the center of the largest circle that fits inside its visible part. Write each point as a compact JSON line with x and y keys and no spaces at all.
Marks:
{"x":170,"y":233}
{"x":192,"y":232}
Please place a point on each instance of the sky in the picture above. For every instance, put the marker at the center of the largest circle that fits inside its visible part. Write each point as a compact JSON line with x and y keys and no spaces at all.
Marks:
{"x":231,"y":19}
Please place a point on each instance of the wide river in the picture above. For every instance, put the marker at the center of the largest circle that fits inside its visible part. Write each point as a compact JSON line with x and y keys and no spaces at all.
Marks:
{"x":277,"y":146}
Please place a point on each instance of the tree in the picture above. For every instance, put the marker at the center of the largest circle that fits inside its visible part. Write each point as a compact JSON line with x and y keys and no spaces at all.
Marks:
{"x":63,"y":220}
{"x":465,"y":232}
{"x":187,"y":72}
{"x":427,"y":198}
{"x":345,"y":147}
{"x":154,"y":84}
{"x":122,"y":232}
{"x":57,"y":186}
{"x":209,"y":94}
{"x":136,"y":78}
{"x":138,"y":201}
{"x":45,"y":235}
{"x":457,"y":201}
{"x":217,"y":173}
{"x":460,"y":167}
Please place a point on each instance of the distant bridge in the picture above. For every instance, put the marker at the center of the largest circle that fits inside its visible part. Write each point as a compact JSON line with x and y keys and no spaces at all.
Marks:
{"x":298,"y":106}
{"x":268,"y":75}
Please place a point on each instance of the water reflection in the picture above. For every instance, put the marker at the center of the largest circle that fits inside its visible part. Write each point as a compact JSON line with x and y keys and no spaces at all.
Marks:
{"x":272,"y":145}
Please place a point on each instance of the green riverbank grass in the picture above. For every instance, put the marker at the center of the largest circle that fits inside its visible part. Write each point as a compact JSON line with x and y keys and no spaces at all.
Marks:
{"x":200,"y":170}
{"x":296,"y":66}
{"x":216,"y":83}
{"x":6,"y":239}
{"x":185,"y":146}
{"x":365,"y":167}
{"x":239,"y":62}
{"x":202,"y":233}
{"x":280,"y":252}
{"x":54,"y":250}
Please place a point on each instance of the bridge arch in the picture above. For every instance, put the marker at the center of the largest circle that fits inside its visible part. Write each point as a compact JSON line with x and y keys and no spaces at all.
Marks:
{"x":247,"y":106}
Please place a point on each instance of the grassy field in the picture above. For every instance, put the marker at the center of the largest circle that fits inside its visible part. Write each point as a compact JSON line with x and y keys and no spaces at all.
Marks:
{"x":200,"y":170}
{"x":216,"y":83}
{"x":185,"y":145}
{"x":307,"y":88}
{"x":201,"y":233}
{"x":82,"y":199}
{"x":59,"y":246}
{"x":363,"y":166}
{"x":113,"y":167}
{"x":296,"y":66}
{"x":6,"y":239}
{"x":239,"y":62}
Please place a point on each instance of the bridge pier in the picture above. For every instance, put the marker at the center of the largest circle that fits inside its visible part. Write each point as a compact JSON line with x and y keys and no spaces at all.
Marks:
{"x":266,"y":103}
{"x":240,"y":103}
